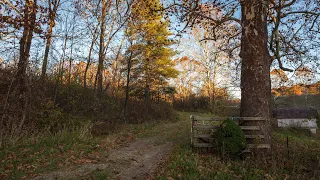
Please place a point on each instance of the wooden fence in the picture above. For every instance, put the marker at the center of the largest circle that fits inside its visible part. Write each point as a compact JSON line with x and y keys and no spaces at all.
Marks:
{"x":202,"y":129}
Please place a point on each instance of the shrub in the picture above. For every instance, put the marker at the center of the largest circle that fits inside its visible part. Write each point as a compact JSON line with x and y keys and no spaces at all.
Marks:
{"x":318,"y":118}
{"x":230,"y":138}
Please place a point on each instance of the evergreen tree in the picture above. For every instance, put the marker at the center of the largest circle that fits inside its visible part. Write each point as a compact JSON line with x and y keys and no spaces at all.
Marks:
{"x":152,"y":45}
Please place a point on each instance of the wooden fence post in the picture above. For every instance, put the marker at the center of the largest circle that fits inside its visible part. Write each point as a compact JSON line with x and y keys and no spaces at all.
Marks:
{"x":192,"y":121}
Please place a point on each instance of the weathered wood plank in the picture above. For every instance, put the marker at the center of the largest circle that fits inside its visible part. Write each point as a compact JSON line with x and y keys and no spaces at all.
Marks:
{"x":254,"y":136}
{"x":233,"y":118}
{"x":206,"y":123}
{"x":253,"y":128}
{"x":199,"y":118}
{"x":203,"y":136}
{"x":259,"y":146}
{"x":253,"y":118}
{"x":203,"y":127}
{"x":202,"y":145}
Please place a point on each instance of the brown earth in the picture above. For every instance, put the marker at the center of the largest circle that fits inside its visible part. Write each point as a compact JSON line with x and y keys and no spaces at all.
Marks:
{"x":135,"y":160}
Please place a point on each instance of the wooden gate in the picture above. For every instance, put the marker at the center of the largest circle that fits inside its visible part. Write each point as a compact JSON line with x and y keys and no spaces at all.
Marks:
{"x":202,"y":129}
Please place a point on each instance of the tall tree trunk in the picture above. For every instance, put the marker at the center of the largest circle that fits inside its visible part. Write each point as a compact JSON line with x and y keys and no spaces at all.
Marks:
{"x":147,"y":94}
{"x":63,"y":58}
{"x":52,"y":23}
{"x":214,"y":84}
{"x":101,"y":47}
{"x":87,"y":65}
{"x":29,"y":19}
{"x":94,"y":38}
{"x":127,"y":86}
{"x":147,"y":87}
{"x":255,"y":69}
{"x":70,"y":62}
{"x":115,"y":68}
{"x":210,"y":91}
{"x":158,"y":97}
{"x":61,"y":67}
{"x":46,"y":53}
{"x":71,"y":51}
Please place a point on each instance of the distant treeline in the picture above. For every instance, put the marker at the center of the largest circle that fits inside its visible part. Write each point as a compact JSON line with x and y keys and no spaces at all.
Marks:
{"x":298,"y":89}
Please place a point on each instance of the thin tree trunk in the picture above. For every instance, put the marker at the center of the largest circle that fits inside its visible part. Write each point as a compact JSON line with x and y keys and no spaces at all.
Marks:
{"x":101,"y":47}
{"x":104,"y":47}
{"x":89,"y":57}
{"x":147,"y":87}
{"x":52,"y":17}
{"x":158,"y":98}
{"x":255,"y":69}
{"x":60,"y":70}
{"x":127,"y":87}
{"x":147,"y":94}
{"x":209,"y":91}
{"x":214,"y":84}
{"x":115,"y":69}
{"x":70,"y":63}
{"x":46,"y":53}
{"x":87,"y":65}
{"x":63,"y":58}
{"x":71,"y":52}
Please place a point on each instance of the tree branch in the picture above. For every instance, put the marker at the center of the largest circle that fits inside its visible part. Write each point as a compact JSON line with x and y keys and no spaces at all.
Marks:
{"x":300,"y":12}
{"x":289,"y":4}
{"x":11,"y":5}
{"x":283,"y":68}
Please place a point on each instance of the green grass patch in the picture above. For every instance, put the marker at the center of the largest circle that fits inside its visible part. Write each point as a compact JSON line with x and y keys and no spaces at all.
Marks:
{"x":46,"y":153}
{"x":300,"y":160}
{"x":169,"y":131}
{"x":185,"y":164}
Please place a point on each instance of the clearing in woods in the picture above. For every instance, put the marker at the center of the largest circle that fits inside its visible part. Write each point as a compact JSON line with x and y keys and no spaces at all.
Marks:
{"x":134,"y":160}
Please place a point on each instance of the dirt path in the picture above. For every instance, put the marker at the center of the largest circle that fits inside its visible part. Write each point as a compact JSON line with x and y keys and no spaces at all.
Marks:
{"x":137,"y":160}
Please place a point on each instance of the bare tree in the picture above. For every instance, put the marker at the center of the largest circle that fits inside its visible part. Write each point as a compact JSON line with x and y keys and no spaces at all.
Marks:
{"x":256,"y":44}
{"x":116,"y":22}
{"x":105,"y":6}
{"x":29,"y":20}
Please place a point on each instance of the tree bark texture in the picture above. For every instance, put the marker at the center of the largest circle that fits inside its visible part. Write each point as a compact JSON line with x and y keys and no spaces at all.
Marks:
{"x":256,"y":61}
{"x":29,"y":19}
{"x":101,"y":47}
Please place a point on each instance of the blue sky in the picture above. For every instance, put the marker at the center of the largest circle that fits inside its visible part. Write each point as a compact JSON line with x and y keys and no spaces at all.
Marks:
{"x":81,"y":48}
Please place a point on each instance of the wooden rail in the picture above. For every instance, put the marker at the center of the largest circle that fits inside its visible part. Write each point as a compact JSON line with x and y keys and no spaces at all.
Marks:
{"x":202,"y":129}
